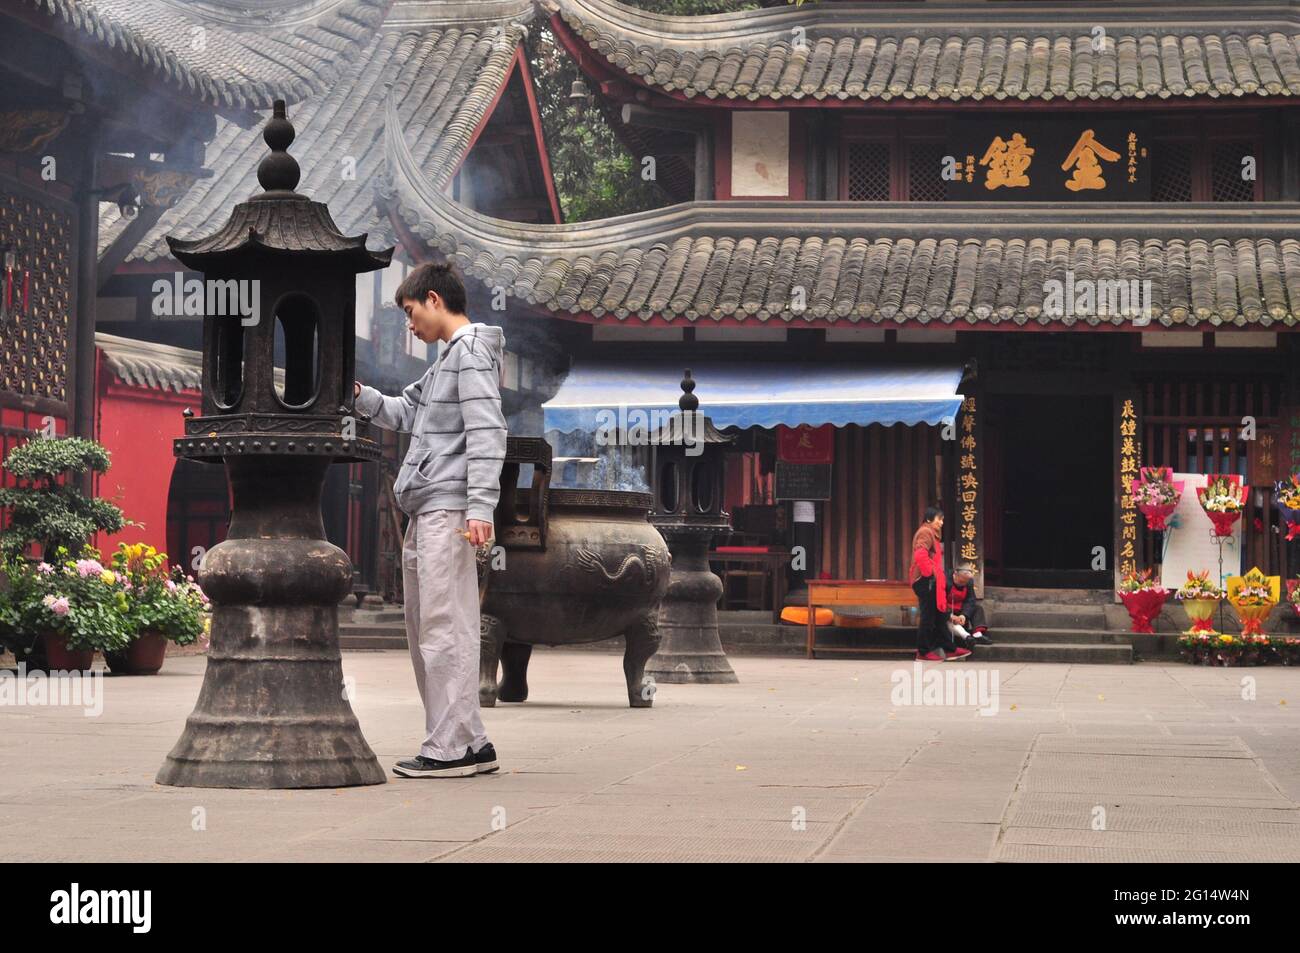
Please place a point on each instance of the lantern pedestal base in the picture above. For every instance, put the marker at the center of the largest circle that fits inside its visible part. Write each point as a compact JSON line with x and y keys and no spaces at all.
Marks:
{"x":273,"y":711}
{"x":691,"y":650}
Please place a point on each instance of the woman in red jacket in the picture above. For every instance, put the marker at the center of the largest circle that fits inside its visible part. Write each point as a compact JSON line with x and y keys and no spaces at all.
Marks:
{"x":933,"y":640}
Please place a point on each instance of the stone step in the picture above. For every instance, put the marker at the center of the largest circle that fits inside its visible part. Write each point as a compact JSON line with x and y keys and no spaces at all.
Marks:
{"x":1063,"y":597}
{"x":1044,"y":636}
{"x":353,"y":636}
{"x":1101,"y":654}
{"x":1017,"y":616}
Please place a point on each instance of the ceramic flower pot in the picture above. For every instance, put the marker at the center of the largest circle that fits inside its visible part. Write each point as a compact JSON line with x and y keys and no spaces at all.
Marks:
{"x":144,"y":656}
{"x":1200,"y":613}
{"x":60,"y":658}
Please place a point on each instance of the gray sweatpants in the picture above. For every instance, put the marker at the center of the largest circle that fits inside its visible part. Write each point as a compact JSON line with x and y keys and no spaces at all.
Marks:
{"x":440,"y":584}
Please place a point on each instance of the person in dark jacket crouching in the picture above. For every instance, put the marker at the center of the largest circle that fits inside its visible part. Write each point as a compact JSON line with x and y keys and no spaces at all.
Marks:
{"x":966,"y":616}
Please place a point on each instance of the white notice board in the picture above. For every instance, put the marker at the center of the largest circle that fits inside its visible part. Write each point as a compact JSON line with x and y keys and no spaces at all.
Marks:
{"x":1189,"y":545}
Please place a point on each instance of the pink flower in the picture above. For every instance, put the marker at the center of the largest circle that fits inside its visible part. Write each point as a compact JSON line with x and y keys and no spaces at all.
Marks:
{"x":45,"y":569}
{"x":58,"y":606}
{"x":171,"y":586}
{"x":88,"y":567}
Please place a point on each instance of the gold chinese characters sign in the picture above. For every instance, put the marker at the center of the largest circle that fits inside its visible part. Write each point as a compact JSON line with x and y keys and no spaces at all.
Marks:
{"x":968,"y":485}
{"x":1126,"y":559}
{"x":1015,"y":160}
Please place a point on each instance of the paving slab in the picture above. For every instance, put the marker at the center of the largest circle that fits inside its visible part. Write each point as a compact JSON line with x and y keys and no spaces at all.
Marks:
{"x":800,"y":761}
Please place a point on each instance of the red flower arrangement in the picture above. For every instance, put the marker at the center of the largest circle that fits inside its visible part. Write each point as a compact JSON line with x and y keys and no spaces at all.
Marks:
{"x":1143,"y":598}
{"x":1224,"y":500}
{"x":1156,"y":495}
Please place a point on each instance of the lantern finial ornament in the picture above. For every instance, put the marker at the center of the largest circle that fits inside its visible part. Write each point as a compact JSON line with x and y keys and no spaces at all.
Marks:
{"x":688,"y":401}
{"x":279,"y":171}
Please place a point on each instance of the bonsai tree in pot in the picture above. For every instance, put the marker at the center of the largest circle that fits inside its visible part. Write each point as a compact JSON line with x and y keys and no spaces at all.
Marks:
{"x":56,"y":617}
{"x":163,"y":607}
{"x":46,"y":506}
{"x":47,"y":510}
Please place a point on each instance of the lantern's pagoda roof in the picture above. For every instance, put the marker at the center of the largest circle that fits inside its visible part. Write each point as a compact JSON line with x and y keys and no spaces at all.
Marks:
{"x":250,"y":54}
{"x":279,"y":220}
{"x":970,"y":263}
{"x":936,"y":51}
{"x":448,"y":74}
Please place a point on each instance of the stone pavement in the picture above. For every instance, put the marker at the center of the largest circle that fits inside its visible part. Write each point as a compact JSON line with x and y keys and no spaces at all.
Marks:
{"x":800,"y":761}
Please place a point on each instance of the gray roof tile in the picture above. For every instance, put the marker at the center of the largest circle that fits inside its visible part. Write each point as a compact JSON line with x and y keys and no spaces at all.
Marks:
{"x":878,"y":51}
{"x":247,"y":58}
{"x":445,"y":78}
{"x":872,"y":263}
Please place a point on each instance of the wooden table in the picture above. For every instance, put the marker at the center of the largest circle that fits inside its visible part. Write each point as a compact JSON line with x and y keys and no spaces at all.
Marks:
{"x":773,"y":562}
{"x":828,"y":593}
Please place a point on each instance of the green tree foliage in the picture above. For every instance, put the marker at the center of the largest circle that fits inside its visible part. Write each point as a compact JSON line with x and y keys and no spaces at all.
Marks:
{"x":46,"y":506}
{"x":595,"y":175}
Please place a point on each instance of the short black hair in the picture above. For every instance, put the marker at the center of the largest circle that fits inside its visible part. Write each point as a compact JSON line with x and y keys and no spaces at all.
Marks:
{"x":440,"y":279}
{"x":931,"y":512}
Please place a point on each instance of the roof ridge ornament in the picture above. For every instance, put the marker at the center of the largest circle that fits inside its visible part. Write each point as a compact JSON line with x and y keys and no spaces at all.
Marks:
{"x":279,"y":171}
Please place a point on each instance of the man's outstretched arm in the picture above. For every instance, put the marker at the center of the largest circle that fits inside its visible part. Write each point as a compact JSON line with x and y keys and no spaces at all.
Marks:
{"x":391,"y":413}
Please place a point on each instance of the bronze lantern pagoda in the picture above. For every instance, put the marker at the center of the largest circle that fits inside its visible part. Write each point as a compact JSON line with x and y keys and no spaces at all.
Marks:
{"x":273,"y":711}
{"x":689,"y":513}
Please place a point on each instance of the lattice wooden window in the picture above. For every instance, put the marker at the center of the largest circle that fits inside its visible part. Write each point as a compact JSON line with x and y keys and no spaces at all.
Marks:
{"x":869,"y":165}
{"x":34,"y":343}
{"x":924,"y":167}
{"x":1171,"y":171}
{"x":1226,"y":183}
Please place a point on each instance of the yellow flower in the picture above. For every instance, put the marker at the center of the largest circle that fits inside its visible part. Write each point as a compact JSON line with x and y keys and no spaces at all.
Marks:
{"x":108,"y":577}
{"x":1225,"y":639}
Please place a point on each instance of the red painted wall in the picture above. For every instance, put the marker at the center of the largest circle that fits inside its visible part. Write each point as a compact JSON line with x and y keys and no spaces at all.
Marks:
{"x":137,"y":425}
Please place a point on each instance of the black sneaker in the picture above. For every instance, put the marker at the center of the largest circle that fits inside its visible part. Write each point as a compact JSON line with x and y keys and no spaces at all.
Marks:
{"x":980,"y":638}
{"x":485,"y":759}
{"x":422,"y":767}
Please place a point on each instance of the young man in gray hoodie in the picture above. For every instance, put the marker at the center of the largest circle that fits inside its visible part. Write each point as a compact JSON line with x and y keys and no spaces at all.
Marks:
{"x":448,"y":486}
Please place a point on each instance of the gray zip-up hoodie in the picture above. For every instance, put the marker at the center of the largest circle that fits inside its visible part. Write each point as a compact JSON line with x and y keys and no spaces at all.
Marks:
{"x":458,"y":433}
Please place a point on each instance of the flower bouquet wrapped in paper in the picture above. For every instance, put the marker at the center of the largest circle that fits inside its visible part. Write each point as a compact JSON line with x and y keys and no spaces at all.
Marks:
{"x":1287,"y":495}
{"x":1224,"y":499}
{"x":1253,"y":596}
{"x":1156,"y":495}
{"x":1143,"y":597}
{"x":1200,"y":596}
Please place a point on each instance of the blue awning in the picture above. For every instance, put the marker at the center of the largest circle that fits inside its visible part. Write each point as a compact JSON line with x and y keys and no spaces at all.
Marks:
{"x":757,"y":394}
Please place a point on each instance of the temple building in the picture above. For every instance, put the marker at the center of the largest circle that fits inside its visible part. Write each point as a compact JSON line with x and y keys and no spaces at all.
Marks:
{"x":994,"y":255}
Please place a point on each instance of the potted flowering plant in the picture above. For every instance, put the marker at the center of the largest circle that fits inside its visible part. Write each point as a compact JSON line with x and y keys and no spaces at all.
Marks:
{"x":1253,"y":596}
{"x":1156,"y":495}
{"x":57,"y":616}
{"x":1223,"y":498}
{"x":1143,"y":597}
{"x":1287,"y":495}
{"x":1199,"y":596}
{"x":162,"y":607}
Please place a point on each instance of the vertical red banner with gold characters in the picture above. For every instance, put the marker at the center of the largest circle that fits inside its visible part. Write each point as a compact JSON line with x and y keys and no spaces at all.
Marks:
{"x":1128,"y":456}
{"x":969,"y":493}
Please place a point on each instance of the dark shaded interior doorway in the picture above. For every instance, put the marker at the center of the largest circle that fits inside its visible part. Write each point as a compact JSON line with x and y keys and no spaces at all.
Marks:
{"x":1049,"y":502}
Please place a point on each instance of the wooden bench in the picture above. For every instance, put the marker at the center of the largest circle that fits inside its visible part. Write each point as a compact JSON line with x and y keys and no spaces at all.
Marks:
{"x":828,"y":593}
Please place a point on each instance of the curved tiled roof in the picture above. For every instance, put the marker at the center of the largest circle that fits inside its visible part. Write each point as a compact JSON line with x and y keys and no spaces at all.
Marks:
{"x":1015,"y":51}
{"x":445,"y":78}
{"x":870,"y":263}
{"x":157,"y":366}
{"x":245,"y":57}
